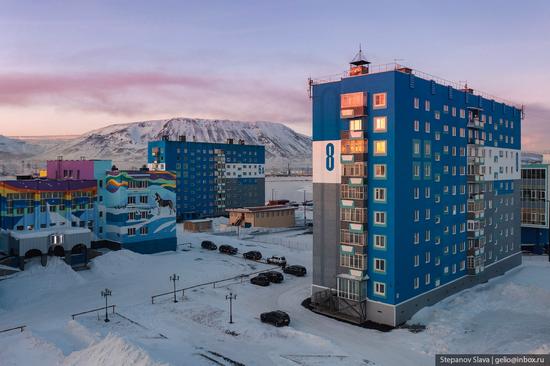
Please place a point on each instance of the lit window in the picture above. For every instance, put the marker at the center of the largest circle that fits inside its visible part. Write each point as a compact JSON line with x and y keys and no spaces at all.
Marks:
{"x":355,"y":125}
{"x":380,"y":147}
{"x":380,"y":124}
{"x":416,"y":103}
{"x":379,"y":100}
{"x":380,"y":170}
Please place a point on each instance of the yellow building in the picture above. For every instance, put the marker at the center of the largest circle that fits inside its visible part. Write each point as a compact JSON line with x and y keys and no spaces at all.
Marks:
{"x":263,"y":216}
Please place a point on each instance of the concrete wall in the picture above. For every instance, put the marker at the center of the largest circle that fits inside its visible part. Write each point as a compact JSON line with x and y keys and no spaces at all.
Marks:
{"x":326,"y":234}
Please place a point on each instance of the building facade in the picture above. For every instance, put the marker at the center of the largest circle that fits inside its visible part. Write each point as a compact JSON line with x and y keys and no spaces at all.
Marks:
{"x":137,"y":210}
{"x":43,"y":216}
{"x":263,"y":216}
{"x":211,"y":177}
{"x":534,"y":207}
{"x":416,"y":192}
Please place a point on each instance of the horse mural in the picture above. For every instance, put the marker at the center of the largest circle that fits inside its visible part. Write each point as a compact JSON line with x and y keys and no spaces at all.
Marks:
{"x":164,"y":203}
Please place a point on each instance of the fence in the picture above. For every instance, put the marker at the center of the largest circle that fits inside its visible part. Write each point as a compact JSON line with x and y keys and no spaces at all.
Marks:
{"x":91,"y":311}
{"x":21,"y":327}
{"x":240,"y":277}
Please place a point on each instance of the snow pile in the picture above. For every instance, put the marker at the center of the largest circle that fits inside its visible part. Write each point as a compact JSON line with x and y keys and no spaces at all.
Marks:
{"x":505,"y":314}
{"x":111,"y":350}
{"x":26,"y":349}
{"x":37,"y":281}
{"x":118,"y":262}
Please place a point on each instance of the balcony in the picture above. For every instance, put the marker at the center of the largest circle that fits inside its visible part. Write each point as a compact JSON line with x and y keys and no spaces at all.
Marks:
{"x":348,"y":237}
{"x":353,"y":135}
{"x":475,"y":123}
{"x":355,"y":215}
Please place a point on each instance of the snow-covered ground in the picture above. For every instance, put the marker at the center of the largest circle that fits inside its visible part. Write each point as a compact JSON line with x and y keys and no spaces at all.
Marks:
{"x":508,"y":314}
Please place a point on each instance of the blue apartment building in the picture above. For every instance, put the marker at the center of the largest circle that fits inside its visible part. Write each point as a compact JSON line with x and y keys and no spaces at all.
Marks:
{"x":211,"y":177}
{"x":416,"y":191}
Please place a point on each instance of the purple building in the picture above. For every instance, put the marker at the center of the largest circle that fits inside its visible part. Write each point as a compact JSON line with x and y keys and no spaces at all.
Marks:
{"x":78,"y":169}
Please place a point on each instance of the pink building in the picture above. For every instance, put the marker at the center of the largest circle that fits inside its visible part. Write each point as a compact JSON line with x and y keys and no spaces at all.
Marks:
{"x":78,"y":169}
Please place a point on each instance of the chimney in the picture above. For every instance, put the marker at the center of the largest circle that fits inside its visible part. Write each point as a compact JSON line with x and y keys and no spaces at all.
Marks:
{"x":182,"y":138}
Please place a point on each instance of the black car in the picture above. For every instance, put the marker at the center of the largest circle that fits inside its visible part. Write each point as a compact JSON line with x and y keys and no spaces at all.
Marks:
{"x":228,"y":249}
{"x":253,"y":255}
{"x":260,"y":281}
{"x":295,"y":270}
{"x":207,"y":244}
{"x":273,"y":276}
{"x":278,"y":318}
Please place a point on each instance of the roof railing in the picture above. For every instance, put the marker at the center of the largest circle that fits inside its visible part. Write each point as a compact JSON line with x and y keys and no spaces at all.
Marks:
{"x":393,"y":66}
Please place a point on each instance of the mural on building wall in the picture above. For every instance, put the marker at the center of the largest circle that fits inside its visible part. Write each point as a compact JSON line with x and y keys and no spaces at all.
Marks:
{"x":138,"y":206}
{"x":31,"y":205}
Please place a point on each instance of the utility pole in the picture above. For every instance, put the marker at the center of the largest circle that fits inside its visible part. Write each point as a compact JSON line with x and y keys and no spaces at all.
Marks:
{"x":231,"y":297}
{"x":174,"y":278}
{"x":106,"y":293}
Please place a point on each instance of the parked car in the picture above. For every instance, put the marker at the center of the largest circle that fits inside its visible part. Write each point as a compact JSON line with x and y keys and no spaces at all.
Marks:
{"x":278,"y":318}
{"x":280,"y":261}
{"x":253,"y":254}
{"x":207,"y":244}
{"x":273,"y":276}
{"x":228,"y":249}
{"x":260,"y":281}
{"x":295,"y":270}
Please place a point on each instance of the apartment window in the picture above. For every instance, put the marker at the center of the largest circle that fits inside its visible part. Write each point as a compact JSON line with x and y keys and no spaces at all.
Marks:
{"x":416,"y":282}
{"x":416,"y":215}
{"x":416,"y":260}
{"x":427,"y":235}
{"x":427,"y":279}
{"x":131,"y":231}
{"x":416,"y":193}
{"x":379,"y":265}
{"x":416,"y":238}
{"x":416,"y":170}
{"x":379,"y":100}
{"x":428,"y":257}
{"x":144,"y":230}
{"x":380,"y":124}
{"x":427,"y":105}
{"x":437,"y":115}
{"x":427,"y":192}
{"x":380,"y":147}
{"x":380,"y":170}
{"x":379,"y":218}
{"x":380,"y":194}
{"x":453,"y":111}
{"x":462,"y":113}
{"x":427,"y":170}
{"x":379,"y":288}
{"x":427,"y":127}
{"x":416,"y":103}
{"x":356,"y":125}
{"x":416,"y":125}
{"x":380,"y":241}
{"x":416,"y":147}
{"x":131,"y":200}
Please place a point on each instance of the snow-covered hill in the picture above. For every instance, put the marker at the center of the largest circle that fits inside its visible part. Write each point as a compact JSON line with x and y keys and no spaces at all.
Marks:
{"x":10,"y":147}
{"x":126,"y":144}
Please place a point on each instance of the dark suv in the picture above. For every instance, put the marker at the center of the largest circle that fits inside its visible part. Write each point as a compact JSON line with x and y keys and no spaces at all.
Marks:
{"x":278,"y":318}
{"x":260,"y":281}
{"x":273,"y":276}
{"x":295,"y":270}
{"x":228,"y":249}
{"x":207,"y":244}
{"x":253,"y":255}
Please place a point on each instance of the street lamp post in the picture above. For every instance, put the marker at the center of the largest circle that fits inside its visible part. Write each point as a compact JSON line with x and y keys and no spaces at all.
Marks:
{"x":174,"y":278}
{"x":231,"y":297}
{"x":106,"y":293}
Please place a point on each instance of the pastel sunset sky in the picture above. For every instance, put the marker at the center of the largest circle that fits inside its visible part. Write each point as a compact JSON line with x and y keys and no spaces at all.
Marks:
{"x":67,"y":67}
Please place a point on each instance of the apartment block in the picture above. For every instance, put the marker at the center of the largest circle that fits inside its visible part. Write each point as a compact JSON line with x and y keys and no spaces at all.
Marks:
{"x":534,"y":207}
{"x":211,"y":177}
{"x":416,"y":188}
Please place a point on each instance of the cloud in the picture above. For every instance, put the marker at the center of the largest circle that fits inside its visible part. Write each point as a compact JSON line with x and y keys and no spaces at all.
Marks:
{"x":131,"y":94}
{"x":535,"y":131}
